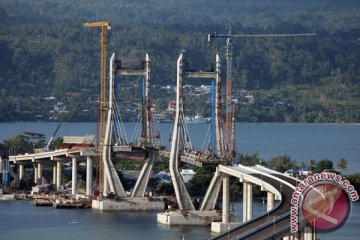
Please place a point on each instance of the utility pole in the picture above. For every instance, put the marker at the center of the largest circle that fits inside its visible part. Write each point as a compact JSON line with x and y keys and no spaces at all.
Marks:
{"x":230,"y":150}
{"x":104,"y":27}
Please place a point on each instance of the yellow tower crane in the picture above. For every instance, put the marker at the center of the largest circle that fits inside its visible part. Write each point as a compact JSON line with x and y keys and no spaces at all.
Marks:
{"x":104,"y":27}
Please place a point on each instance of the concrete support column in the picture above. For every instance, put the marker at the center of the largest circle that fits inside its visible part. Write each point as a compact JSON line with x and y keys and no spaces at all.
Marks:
{"x":21,"y":171}
{"x":74,"y":175}
{"x":58,"y":175}
{"x":226,"y":200}
{"x":40,"y":175}
{"x":106,"y":185}
{"x":143,"y":179}
{"x":54,"y":174}
{"x":309,"y":233}
{"x":244,"y":201}
{"x":249,"y":204}
{"x":247,"y":201}
{"x":89,"y":175}
{"x":295,"y":236}
{"x":270,"y":201}
{"x":35,"y":173}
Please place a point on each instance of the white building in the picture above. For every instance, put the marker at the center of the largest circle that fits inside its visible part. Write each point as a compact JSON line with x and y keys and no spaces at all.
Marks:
{"x":187,"y":174}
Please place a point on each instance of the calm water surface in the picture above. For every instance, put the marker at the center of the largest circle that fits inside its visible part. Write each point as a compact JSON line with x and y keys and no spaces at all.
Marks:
{"x":20,"y":220}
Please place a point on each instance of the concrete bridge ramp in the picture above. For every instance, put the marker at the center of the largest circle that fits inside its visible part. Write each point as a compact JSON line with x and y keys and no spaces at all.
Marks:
{"x":274,"y":224}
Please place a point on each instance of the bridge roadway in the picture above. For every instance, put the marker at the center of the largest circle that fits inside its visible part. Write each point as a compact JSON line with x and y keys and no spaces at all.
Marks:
{"x":196,"y":158}
{"x":56,"y":154}
{"x":40,"y":156}
{"x":274,"y":224}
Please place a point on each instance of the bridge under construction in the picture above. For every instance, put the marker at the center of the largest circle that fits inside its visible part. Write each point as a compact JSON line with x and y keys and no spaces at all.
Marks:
{"x":111,"y":194}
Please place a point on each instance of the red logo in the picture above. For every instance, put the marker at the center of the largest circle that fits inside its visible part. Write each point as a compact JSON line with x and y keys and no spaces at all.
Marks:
{"x":325,"y":206}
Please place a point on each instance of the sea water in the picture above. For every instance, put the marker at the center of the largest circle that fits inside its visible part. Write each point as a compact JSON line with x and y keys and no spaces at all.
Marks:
{"x":20,"y":220}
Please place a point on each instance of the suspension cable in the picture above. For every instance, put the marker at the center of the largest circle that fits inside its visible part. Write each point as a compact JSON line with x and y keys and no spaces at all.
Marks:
{"x":120,"y":124}
{"x":186,"y":132}
{"x":137,"y":129}
{"x":207,"y":138}
{"x":157,"y":125}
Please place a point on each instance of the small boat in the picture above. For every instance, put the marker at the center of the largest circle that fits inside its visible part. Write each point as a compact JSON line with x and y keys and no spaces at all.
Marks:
{"x":197,"y":119}
{"x":73,"y":222}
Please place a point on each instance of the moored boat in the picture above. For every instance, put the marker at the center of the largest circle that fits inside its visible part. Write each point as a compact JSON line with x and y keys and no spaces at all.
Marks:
{"x":197,"y":119}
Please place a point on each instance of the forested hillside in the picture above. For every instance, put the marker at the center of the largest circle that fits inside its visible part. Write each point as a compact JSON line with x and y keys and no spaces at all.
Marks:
{"x":327,"y":14}
{"x":45,"y":52}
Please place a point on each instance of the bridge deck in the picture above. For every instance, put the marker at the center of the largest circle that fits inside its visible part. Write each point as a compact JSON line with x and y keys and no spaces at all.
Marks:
{"x":198,"y":159}
{"x":275,"y":223}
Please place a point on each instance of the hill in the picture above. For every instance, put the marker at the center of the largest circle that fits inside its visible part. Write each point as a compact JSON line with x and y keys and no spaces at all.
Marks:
{"x":328,"y":14}
{"x":46,"y":52}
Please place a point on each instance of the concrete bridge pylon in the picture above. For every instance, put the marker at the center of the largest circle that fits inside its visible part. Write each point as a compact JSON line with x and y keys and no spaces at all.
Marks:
{"x":145,"y":143}
{"x":187,"y":215}
{"x":111,"y":178}
{"x":212,"y":193}
{"x":183,"y":198}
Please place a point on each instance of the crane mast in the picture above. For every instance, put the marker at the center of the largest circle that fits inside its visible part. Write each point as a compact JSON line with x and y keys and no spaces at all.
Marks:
{"x":104,"y":27}
{"x":230,"y":109}
{"x":230,"y":106}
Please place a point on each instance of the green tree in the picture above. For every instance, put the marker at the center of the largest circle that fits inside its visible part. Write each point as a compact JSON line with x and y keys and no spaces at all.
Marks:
{"x":24,"y":143}
{"x":324,"y":164}
{"x":282,"y":163}
{"x":312,"y":166}
{"x":342,"y":164}
{"x":200,"y":182}
{"x":27,"y":183}
{"x":37,"y":140}
{"x":249,"y":160}
{"x":18,"y":144}
{"x":7,"y":108}
{"x":354,"y":179}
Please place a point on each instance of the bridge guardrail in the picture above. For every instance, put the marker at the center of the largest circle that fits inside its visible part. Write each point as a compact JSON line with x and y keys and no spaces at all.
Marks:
{"x":268,"y":175}
{"x":250,"y":170}
{"x":276,"y":172}
{"x":263,"y":226}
